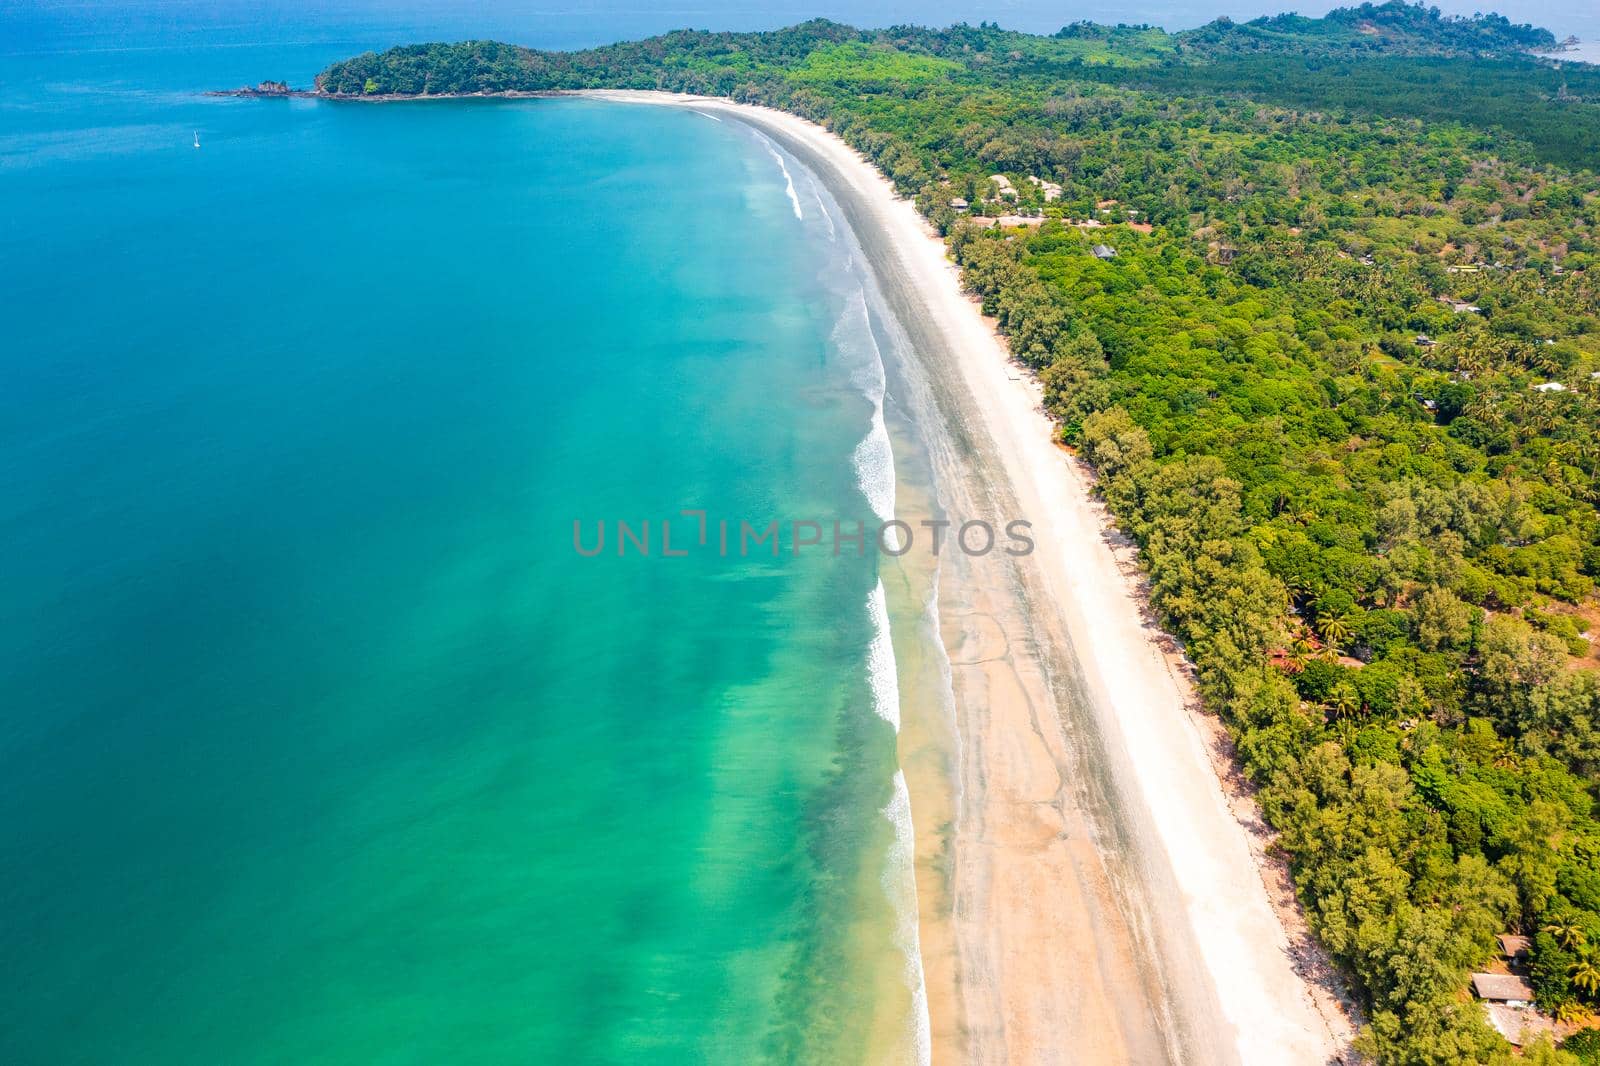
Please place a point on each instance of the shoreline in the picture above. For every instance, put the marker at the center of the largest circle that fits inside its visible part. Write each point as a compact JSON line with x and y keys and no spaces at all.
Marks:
{"x":1217,"y":913}
{"x":1107,"y":892}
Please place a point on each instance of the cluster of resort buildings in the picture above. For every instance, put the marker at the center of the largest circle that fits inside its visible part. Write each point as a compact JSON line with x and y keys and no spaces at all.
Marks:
{"x":1001,"y":190}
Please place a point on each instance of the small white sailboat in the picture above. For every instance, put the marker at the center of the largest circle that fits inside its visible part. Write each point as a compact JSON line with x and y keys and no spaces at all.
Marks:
{"x":197,"y":138}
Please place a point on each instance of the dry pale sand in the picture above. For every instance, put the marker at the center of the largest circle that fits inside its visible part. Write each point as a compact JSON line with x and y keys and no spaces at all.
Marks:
{"x":1107,"y":898}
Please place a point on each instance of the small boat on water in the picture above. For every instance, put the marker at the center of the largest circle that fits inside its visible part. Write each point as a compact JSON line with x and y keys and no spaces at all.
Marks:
{"x":197,"y":138}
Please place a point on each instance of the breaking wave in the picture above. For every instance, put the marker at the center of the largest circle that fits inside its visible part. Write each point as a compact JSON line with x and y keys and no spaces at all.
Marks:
{"x":899,"y":882}
{"x":788,"y":181}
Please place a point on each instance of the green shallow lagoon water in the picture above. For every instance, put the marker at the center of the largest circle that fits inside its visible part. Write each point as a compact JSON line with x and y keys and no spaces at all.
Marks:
{"x":319,"y":741}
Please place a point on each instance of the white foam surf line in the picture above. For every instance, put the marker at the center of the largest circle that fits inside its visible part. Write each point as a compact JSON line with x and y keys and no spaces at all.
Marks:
{"x":822,"y":208}
{"x":874,"y":464}
{"x":899,"y":873}
{"x":899,"y":883}
{"x":833,"y":234}
{"x":882,"y":676}
{"x":788,"y":182}
{"x":706,"y":114}
{"x":947,"y":682}
{"x":873,"y":458}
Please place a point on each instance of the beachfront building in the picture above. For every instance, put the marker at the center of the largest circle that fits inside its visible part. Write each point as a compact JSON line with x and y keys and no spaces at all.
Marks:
{"x":1514,"y":948}
{"x":1505,"y":988}
{"x":1508,"y":998}
{"x":1008,"y":221}
{"x":1519,"y":1025}
{"x":1052,"y":191}
{"x":959,"y":204}
{"x":1007,"y":190}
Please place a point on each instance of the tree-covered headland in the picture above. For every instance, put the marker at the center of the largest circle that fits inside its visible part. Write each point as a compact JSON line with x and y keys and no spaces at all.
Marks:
{"x":1341,"y":380}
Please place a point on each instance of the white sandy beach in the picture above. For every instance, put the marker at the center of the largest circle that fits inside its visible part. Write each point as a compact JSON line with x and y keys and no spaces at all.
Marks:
{"x":1022,"y":996}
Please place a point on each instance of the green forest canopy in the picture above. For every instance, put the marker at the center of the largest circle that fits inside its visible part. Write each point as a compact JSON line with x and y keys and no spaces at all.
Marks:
{"x":1342,"y":383}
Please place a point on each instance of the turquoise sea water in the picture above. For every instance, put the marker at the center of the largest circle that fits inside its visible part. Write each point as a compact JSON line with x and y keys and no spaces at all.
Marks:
{"x":318,"y":741}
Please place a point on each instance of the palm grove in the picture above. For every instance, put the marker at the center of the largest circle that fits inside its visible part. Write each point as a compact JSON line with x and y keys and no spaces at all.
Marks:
{"x":1341,"y":380}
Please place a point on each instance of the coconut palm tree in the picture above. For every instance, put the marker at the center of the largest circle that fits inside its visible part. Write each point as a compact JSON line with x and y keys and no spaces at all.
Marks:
{"x":1544,"y":361}
{"x":1301,"y":649}
{"x":1567,"y":933}
{"x":1345,"y":701}
{"x":1586,"y":454}
{"x":1584,"y":974}
{"x":1554,"y":473}
{"x":1335,"y":629}
{"x":1571,"y":1012}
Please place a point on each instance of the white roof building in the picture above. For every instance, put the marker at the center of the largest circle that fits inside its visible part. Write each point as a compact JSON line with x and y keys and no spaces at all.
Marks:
{"x":1502,"y":988}
{"x":1052,"y":191}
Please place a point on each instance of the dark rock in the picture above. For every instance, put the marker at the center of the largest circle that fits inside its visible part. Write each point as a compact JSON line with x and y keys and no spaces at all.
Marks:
{"x":266,"y":88}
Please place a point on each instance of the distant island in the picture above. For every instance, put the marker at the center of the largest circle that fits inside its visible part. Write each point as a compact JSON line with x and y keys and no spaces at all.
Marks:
{"x":1316,"y":300}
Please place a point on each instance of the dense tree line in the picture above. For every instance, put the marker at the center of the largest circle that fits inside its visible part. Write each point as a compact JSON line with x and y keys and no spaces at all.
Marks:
{"x":1392,"y":28}
{"x":1341,"y":381}
{"x":1551,"y":107}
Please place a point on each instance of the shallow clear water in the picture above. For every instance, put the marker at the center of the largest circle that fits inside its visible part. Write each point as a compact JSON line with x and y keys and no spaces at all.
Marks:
{"x":319,"y":741}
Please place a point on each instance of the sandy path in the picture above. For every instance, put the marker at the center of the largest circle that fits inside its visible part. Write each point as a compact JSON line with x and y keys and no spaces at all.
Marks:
{"x":1107,"y":903}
